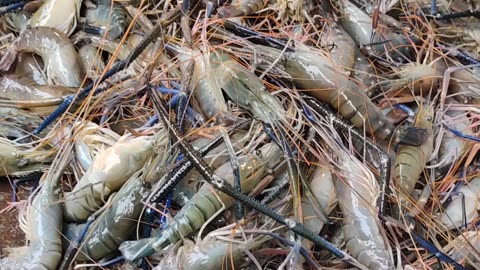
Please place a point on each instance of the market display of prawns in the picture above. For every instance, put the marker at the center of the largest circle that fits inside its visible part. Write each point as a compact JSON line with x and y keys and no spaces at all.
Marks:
{"x":239,"y":134}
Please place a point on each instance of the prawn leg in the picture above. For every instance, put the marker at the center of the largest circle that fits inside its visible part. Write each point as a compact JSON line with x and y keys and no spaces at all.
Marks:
{"x":151,"y":215}
{"x":206,"y":171}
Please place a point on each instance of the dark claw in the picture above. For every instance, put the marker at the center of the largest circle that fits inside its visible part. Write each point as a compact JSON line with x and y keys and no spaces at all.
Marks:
{"x":256,"y":37}
{"x":4,"y":3}
{"x":463,"y":14}
{"x":413,"y":136}
{"x":461,"y":56}
{"x":435,"y":251}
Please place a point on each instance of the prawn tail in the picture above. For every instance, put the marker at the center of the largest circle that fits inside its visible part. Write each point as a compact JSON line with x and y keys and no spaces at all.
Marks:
{"x":413,"y":136}
{"x":134,"y":250}
{"x":8,"y":58}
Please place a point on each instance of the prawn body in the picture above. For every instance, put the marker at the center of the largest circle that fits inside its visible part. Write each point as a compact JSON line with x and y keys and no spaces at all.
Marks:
{"x":452,"y":147}
{"x":43,"y":224}
{"x":246,"y":90}
{"x":110,"y":20}
{"x":60,"y":57}
{"x":329,"y":83}
{"x":17,"y":88}
{"x":117,"y":223}
{"x":16,"y":161}
{"x":360,"y":27}
{"x":207,"y":87}
{"x":59,"y":14}
{"x":242,"y":8}
{"x":110,"y":170}
{"x":411,"y":160}
{"x":357,"y":193}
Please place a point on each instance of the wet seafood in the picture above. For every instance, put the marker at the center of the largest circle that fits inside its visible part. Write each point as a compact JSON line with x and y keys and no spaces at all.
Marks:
{"x":146,"y":88}
{"x":204,"y":204}
{"x":43,"y":223}
{"x":58,"y":14}
{"x":110,"y":170}
{"x":411,"y":160}
{"x":108,"y":18}
{"x":60,"y":57}
{"x":357,"y":193}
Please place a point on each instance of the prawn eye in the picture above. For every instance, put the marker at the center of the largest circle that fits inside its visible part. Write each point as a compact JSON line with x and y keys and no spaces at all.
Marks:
{"x":429,"y":118}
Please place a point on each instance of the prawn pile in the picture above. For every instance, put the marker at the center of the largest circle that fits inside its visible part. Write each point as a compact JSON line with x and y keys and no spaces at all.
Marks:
{"x":241,"y":134}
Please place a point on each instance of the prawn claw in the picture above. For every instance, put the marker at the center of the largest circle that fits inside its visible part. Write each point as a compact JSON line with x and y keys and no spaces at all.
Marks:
{"x":413,"y":136}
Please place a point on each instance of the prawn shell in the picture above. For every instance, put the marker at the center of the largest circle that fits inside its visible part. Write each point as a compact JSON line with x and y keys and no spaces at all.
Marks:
{"x":411,"y":160}
{"x":110,"y":170}
{"x":60,"y":57}
{"x":357,"y":192}
{"x":58,"y":14}
{"x":117,"y":223}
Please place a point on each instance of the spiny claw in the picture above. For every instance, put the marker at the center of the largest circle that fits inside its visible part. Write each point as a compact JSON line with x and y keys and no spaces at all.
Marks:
{"x":413,"y":136}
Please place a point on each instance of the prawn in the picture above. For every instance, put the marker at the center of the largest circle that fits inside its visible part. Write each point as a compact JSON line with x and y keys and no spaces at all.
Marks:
{"x":357,"y":191}
{"x":117,"y":222}
{"x":324,"y":196}
{"x":90,"y":141}
{"x":60,"y":57}
{"x":466,"y":247}
{"x":58,"y":14}
{"x":17,"y":88}
{"x":44,"y":222}
{"x":318,"y":74}
{"x":205,"y":203}
{"x":360,"y":27}
{"x":205,"y":82}
{"x":16,"y":123}
{"x":239,"y":8}
{"x":452,"y":147}
{"x":411,"y":160}
{"x":110,"y":170}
